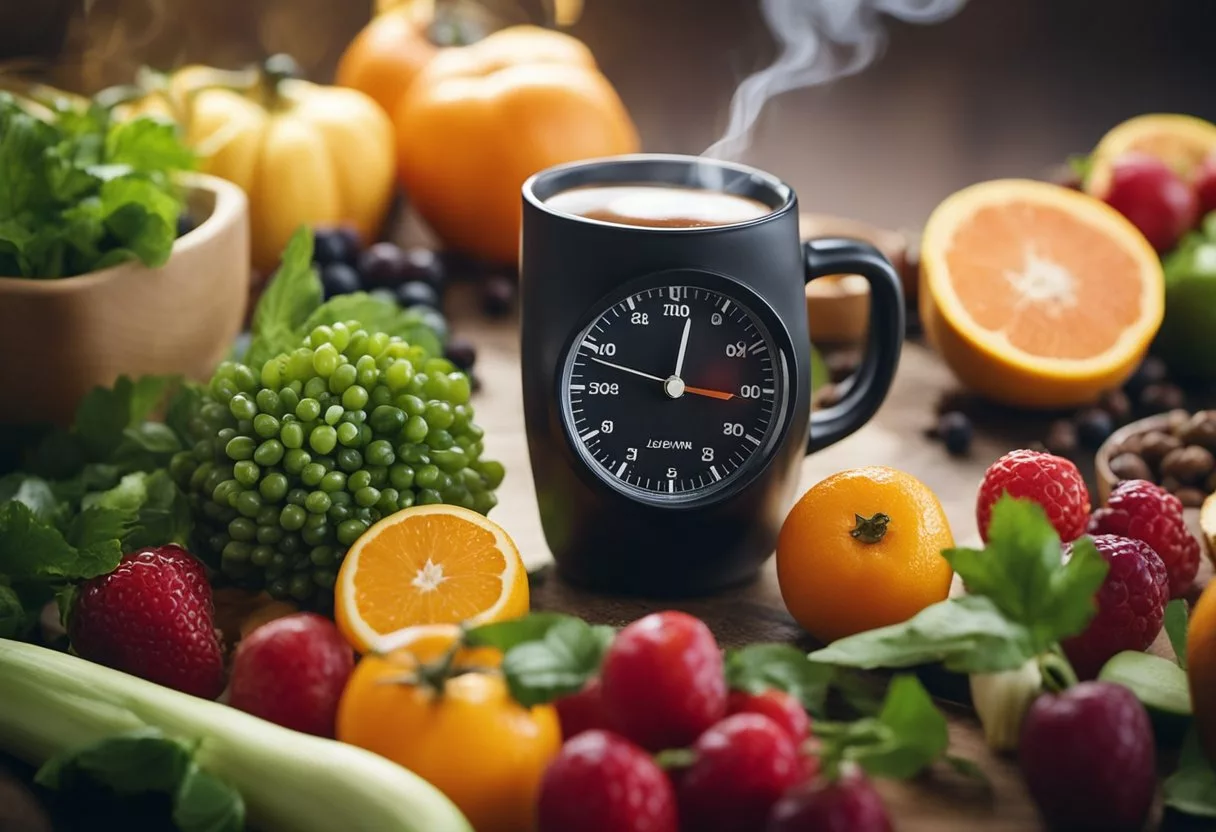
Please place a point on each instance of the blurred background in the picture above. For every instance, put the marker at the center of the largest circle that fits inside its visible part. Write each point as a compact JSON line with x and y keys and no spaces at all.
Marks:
{"x":1004,"y":88}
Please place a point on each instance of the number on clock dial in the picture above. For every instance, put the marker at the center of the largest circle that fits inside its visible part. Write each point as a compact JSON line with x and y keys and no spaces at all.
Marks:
{"x":672,"y":390}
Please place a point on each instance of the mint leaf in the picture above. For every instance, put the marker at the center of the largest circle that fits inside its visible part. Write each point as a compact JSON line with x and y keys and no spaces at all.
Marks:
{"x":558,"y":664}
{"x":1191,"y":789}
{"x":1176,"y":622}
{"x":183,"y":405}
{"x":14,"y":623}
{"x":102,"y":416}
{"x":140,"y":761}
{"x":204,"y":803}
{"x":908,"y":735}
{"x":968,"y":634}
{"x":161,"y":512}
{"x":760,"y":667}
{"x":97,"y":525}
{"x":1158,"y":683}
{"x":294,"y":293}
{"x":148,"y":144}
{"x":31,"y":550}
{"x":503,"y":635}
{"x":141,"y":217}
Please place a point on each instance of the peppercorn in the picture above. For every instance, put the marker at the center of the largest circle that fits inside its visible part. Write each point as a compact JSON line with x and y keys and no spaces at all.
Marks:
{"x":1156,"y":445}
{"x":1128,"y":466}
{"x":1117,"y":404}
{"x":1159,"y":398}
{"x":1152,"y":370}
{"x":1094,"y":426}
{"x":1189,"y":465}
{"x":954,"y":429}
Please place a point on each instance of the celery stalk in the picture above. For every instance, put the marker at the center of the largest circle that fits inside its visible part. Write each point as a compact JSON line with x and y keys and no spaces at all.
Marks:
{"x":51,"y":701}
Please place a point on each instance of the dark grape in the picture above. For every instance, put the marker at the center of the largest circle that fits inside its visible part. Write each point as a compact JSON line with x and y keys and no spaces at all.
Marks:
{"x":417,"y":293}
{"x":422,"y":264}
{"x":333,"y":245}
{"x":461,"y":352}
{"x":382,"y":264}
{"x":497,"y":295}
{"x":339,"y":279}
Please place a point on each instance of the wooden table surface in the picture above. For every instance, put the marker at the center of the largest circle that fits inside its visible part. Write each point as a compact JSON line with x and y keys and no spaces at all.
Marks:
{"x":940,"y":801}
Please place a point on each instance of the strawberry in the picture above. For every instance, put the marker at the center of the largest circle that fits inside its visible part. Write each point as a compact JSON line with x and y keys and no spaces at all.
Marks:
{"x":291,"y":671}
{"x":1131,"y":605}
{"x":778,"y":706}
{"x":849,"y":803}
{"x":1145,"y":511}
{"x":601,"y":782}
{"x":581,"y":711}
{"x":152,"y":617}
{"x":1051,"y":481}
{"x":662,"y":682}
{"x":742,"y":766}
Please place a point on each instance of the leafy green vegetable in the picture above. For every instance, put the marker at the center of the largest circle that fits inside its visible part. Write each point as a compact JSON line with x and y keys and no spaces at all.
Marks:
{"x":162,"y":514}
{"x":294,"y":293}
{"x":1023,"y":600}
{"x":378,"y":315}
{"x":760,"y":667}
{"x":13,"y":620}
{"x":1191,"y":789}
{"x":146,"y":761}
{"x":81,"y":192}
{"x":1158,"y":683}
{"x":1175,"y":627}
{"x":906,"y":736}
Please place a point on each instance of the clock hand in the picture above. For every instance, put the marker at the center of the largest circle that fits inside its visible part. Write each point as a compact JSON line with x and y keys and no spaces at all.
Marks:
{"x":683,"y":347}
{"x":626,"y":369}
{"x":713,"y":394}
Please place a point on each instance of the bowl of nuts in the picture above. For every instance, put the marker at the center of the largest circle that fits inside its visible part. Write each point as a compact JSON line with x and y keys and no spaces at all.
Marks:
{"x":1174,"y":450}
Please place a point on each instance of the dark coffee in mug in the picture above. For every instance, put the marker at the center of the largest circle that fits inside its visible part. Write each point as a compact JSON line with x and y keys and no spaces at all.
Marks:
{"x":658,"y":206}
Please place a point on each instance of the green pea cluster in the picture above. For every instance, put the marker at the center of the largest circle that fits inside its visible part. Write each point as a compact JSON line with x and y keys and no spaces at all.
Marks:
{"x":293,"y":464}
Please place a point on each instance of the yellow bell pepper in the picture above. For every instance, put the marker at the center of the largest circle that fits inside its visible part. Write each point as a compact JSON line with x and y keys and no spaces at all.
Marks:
{"x":304,"y":153}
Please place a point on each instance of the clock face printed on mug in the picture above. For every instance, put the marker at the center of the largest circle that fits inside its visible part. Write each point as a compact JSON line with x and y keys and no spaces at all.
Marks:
{"x":671,"y":391}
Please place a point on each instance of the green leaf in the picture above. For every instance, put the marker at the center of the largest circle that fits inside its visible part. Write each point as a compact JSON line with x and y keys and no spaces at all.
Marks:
{"x":1081,"y":164}
{"x":141,"y":217}
{"x":503,"y":635}
{"x":31,"y":550}
{"x":146,"y":395}
{"x":102,"y":416}
{"x":760,"y":667}
{"x":132,"y":763}
{"x":969,"y":634}
{"x":204,"y":803}
{"x":560,"y":663}
{"x":1158,"y":683}
{"x":34,"y":492}
{"x":1175,"y":627}
{"x":23,"y":142}
{"x":968,"y":768}
{"x":377,"y":315}
{"x":1191,"y":789}
{"x":162,"y":514}
{"x":14,"y":623}
{"x":183,"y":405}
{"x":98,"y":525}
{"x":148,"y":144}
{"x":65,"y":600}
{"x":908,"y":735}
{"x":294,"y":293}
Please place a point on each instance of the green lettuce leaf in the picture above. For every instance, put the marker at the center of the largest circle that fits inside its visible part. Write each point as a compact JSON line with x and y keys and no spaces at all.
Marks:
{"x":294,"y":293}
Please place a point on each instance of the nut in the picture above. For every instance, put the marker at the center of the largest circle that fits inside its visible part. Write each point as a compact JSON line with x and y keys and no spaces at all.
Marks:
{"x":1170,"y":484}
{"x":1189,"y":465}
{"x":1156,"y":445}
{"x":1127,"y":466}
{"x":1159,"y":398}
{"x":1061,"y":438}
{"x":1177,"y":419}
{"x":1117,"y":404}
{"x":1152,"y":370}
{"x":1200,"y":429}
{"x":1211,"y":483}
{"x":1131,"y":445}
{"x":1191,"y":497}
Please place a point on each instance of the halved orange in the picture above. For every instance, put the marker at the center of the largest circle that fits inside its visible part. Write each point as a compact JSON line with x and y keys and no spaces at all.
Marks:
{"x":1181,"y":141}
{"x":1038,"y":295}
{"x":435,"y":564}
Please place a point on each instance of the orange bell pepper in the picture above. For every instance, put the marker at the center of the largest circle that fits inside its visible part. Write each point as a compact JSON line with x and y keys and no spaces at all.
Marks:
{"x":478,"y":120}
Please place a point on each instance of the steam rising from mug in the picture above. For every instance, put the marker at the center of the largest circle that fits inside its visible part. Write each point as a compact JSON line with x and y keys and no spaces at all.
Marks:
{"x":819,"y":41}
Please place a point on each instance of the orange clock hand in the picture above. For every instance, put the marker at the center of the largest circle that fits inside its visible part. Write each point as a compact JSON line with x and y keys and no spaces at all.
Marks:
{"x":713,"y":394}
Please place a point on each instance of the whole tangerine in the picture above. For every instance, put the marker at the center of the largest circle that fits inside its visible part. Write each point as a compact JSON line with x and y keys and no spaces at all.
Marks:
{"x":862,"y":549}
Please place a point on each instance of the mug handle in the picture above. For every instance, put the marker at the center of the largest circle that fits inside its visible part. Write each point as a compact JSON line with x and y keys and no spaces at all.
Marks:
{"x":864,"y":391}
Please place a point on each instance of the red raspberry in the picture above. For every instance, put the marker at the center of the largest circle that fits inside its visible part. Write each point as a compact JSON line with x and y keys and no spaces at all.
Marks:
{"x":581,"y":711}
{"x":152,"y":617}
{"x":847,"y":804}
{"x":662,"y":682}
{"x":743,"y":765}
{"x":1131,"y":604}
{"x":1145,"y":511}
{"x":1051,"y":481}
{"x":1088,"y":758}
{"x":291,"y":671}
{"x":601,"y":782}
{"x":778,"y":706}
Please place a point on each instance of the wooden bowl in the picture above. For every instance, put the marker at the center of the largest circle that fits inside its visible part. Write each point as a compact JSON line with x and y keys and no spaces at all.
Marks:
{"x":1104,"y":477}
{"x":838,"y":307}
{"x":61,"y":338}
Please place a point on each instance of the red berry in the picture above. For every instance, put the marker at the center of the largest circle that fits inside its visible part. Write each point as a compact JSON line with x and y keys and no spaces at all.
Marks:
{"x":1131,"y":605}
{"x":847,"y":804}
{"x":291,"y":671}
{"x":152,"y":617}
{"x":601,"y":782}
{"x":1051,"y":481}
{"x":1088,"y":758}
{"x":1156,"y":200}
{"x":743,"y":765}
{"x":581,"y":711}
{"x":1146,"y":511}
{"x":1204,"y":182}
{"x":778,"y":706}
{"x":662,"y":682}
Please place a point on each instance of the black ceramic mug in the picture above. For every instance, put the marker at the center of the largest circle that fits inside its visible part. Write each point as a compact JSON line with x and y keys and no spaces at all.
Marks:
{"x":666,"y":366}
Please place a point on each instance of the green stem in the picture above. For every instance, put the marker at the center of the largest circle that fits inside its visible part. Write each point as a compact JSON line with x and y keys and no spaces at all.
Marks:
{"x":870,"y":529}
{"x":1058,"y":674}
{"x":275,"y":70}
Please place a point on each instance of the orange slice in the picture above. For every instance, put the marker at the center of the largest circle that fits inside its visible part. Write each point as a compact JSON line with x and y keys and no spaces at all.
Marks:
{"x":1037,"y":295}
{"x":1181,"y":141}
{"x":435,"y":564}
